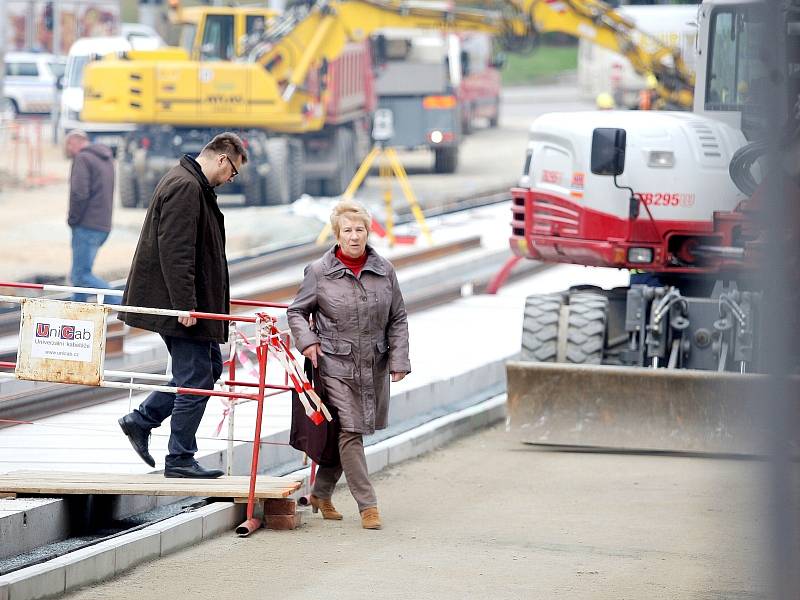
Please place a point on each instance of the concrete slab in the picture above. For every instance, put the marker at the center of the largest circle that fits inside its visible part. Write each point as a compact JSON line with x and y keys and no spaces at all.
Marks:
{"x":30,"y":523}
{"x":136,"y":548}
{"x":180,"y":532}
{"x":90,"y":565}
{"x":37,"y":581}
{"x":222,"y":517}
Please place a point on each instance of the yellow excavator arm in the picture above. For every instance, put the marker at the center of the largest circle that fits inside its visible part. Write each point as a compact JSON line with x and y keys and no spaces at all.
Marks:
{"x":596,"y":22}
{"x":267,"y":90}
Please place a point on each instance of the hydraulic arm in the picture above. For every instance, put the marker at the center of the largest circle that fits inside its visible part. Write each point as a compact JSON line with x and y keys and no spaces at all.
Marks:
{"x":269,"y":89}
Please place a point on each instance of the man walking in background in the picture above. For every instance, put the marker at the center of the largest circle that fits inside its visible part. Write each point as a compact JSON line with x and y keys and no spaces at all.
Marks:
{"x":91,"y":199}
{"x":180,"y":264}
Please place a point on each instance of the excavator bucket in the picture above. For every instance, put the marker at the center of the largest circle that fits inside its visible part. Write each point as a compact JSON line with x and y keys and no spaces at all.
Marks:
{"x":565,"y":406}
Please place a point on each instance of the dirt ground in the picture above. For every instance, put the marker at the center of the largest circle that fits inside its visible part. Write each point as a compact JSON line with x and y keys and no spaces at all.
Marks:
{"x":487,"y":517}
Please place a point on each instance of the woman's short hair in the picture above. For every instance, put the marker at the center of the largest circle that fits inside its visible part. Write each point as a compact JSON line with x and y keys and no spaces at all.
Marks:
{"x":352,"y":210}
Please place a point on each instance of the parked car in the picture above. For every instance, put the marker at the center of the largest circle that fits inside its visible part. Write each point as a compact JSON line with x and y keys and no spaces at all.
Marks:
{"x":81,"y":52}
{"x":29,"y":82}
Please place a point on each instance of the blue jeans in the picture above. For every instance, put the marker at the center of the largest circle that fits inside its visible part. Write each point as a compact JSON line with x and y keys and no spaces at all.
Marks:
{"x":85,"y":244}
{"x":195,"y":364}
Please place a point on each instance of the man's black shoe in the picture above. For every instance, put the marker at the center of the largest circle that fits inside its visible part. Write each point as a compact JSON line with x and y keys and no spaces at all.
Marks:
{"x":138,"y":437}
{"x":193,"y":471}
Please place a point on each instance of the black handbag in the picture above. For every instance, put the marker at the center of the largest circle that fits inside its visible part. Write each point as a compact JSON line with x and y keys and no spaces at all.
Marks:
{"x":320,"y":442}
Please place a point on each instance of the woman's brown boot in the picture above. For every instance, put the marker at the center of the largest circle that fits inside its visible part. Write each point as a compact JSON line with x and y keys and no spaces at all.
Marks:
{"x":370,"y":519}
{"x":326,"y":506}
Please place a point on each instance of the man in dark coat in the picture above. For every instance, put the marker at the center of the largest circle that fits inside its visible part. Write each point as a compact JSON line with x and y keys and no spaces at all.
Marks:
{"x":91,"y":199}
{"x":180,"y":264}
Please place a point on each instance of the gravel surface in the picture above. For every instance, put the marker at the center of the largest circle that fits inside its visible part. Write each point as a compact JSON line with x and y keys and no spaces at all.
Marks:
{"x":487,"y":517}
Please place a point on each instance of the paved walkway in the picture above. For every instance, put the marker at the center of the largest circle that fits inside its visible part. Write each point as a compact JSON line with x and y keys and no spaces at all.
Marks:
{"x":487,"y":517}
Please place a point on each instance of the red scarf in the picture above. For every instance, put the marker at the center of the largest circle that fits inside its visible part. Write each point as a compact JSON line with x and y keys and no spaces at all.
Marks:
{"x":354,"y":264}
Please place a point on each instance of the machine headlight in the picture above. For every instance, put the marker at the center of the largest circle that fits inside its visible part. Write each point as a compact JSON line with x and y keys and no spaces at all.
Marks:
{"x":640,"y":255}
{"x":437,"y":136}
{"x":661,"y":159}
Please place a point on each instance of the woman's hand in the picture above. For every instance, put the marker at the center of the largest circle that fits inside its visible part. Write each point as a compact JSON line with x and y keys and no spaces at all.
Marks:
{"x":312,"y":352}
{"x":397,"y":376}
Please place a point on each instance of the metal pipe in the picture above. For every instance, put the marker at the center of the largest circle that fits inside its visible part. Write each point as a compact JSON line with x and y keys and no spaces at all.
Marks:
{"x":248,"y":527}
{"x":49,"y":287}
{"x":262,"y":373}
{"x":724,"y":251}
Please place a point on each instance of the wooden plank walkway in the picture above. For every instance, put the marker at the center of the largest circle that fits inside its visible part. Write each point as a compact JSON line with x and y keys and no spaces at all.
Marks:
{"x":150,"y":484}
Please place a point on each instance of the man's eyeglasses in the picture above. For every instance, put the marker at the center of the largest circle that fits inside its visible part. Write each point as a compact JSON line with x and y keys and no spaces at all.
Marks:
{"x":235,"y":170}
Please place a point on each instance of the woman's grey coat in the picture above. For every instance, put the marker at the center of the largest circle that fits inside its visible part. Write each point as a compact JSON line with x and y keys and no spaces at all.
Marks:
{"x":362,"y":328}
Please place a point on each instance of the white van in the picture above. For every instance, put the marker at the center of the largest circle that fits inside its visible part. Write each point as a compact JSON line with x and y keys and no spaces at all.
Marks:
{"x":81,"y":52}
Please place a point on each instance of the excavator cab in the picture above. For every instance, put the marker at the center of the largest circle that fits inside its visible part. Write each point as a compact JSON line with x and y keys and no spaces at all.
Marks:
{"x":221,"y":33}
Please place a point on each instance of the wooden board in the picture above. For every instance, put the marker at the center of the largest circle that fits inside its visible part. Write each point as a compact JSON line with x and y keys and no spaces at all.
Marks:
{"x":150,"y":484}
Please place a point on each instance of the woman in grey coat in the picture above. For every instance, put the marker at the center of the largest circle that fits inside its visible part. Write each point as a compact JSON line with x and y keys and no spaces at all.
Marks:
{"x":359,"y":339}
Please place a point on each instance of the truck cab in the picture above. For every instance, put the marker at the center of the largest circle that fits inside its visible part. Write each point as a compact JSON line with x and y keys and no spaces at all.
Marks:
{"x":417,"y":74}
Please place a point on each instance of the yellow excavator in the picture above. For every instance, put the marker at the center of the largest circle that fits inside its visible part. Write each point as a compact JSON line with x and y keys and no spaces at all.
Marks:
{"x":302,"y":94}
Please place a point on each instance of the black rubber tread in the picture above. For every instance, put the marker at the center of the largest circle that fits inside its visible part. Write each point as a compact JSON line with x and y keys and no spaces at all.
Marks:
{"x":345,"y":148}
{"x":494,"y":120}
{"x":586,"y":328}
{"x":466,"y":120}
{"x":297,"y":176}
{"x":128,"y":188}
{"x":9,"y":108}
{"x":276,"y":183}
{"x":445,"y":159}
{"x":253,"y":187}
{"x":540,"y":328}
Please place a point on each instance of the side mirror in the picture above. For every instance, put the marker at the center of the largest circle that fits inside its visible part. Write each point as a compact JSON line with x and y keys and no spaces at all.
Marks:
{"x":60,"y":83}
{"x":608,"y":151}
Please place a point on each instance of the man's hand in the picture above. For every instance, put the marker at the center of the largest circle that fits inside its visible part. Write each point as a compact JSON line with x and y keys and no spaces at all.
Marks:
{"x":187,"y":321}
{"x":312,"y":353}
{"x":398,"y":376}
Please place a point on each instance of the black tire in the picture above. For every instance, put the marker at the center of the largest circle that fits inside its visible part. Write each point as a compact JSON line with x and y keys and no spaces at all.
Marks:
{"x":128,"y":188}
{"x":276,"y":184}
{"x":586,"y":328}
{"x":494,"y":120}
{"x":445,"y":160}
{"x":466,"y":120}
{"x":540,"y":328}
{"x":253,"y":188}
{"x":344,"y":144}
{"x":9,"y":108}
{"x":297,"y":176}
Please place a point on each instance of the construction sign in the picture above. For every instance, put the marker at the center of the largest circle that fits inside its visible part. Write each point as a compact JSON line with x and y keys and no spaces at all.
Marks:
{"x":61,"y":342}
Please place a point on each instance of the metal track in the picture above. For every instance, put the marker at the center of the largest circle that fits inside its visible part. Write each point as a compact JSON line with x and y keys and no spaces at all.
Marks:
{"x":46,"y":400}
{"x":269,"y":260}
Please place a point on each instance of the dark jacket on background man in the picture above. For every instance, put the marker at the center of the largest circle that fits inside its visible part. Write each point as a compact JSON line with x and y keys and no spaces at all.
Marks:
{"x":180,"y":260}
{"x":91,"y":188}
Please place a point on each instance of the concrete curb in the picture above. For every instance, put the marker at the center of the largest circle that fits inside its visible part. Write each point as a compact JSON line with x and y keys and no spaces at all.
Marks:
{"x":111,"y":557}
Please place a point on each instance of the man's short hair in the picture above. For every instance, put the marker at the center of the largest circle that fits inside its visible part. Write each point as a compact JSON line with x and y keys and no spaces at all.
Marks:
{"x":76,"y":134}
{"x":226,"y":143}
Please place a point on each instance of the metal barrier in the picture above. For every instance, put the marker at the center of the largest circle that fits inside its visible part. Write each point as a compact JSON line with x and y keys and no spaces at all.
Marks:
{"x":23,"y":140}
{"x":64,"y":342}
